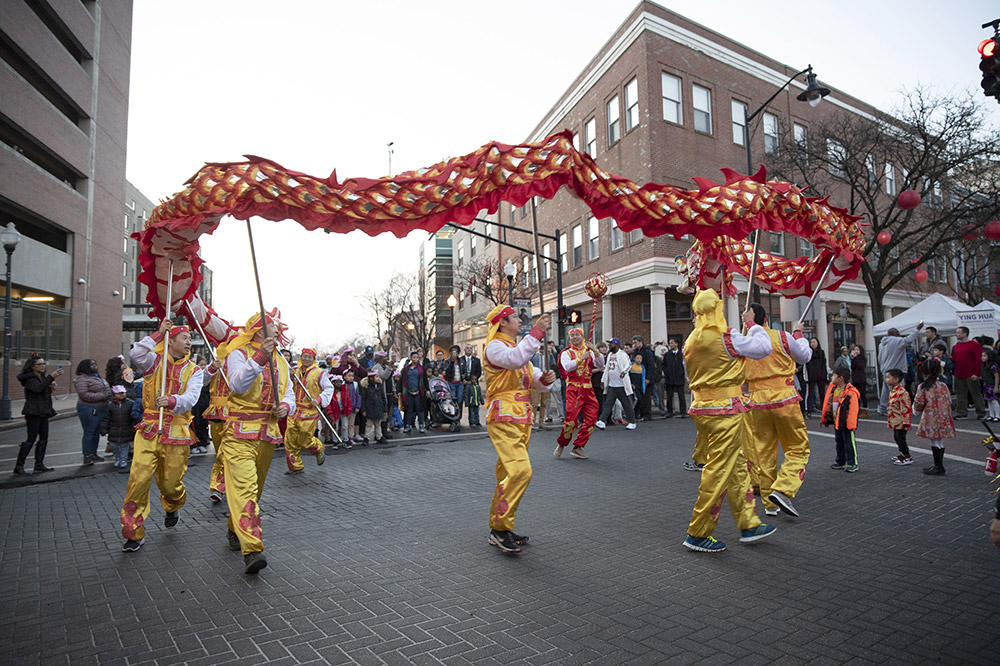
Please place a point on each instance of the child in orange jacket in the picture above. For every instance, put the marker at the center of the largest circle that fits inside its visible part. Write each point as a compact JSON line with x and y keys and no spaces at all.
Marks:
{"x":840,"y":409}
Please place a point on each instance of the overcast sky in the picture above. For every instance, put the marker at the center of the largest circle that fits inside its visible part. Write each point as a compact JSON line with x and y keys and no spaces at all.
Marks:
{"x":322,"y":85}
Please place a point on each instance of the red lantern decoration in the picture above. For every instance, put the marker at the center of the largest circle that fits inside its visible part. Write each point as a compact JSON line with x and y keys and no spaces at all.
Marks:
{"x":997,"y":291}
{"x":920,"y":276}
{"x":883,"y":237}
{"x":969,"y":232}
{"x":992,"y":230}
{"x":908,"y":199}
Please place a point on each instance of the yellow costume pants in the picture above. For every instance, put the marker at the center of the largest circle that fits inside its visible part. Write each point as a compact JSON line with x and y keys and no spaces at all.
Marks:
{"x":246,"y":462}
{"x":217,"y":482}
{"x":167,"y":463}
{"x":769,"y":427}
{"x":513,"y":471}
{"x":300,"y":435}
{"x":725,"y":473}
{"x":700,"y":454}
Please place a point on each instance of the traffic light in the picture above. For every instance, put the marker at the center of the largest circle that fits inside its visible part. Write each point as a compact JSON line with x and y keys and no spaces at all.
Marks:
{"x":563,"y":310}
{"x":990,"y":66}
{"x":574,"y":317}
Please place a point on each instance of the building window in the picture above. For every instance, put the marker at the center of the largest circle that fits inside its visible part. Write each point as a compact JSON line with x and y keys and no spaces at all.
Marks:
{"x":124,"y":269}
{"x":126,"y":224}
{"x":701,"y":98}
{"x":577,"y":245}
{"x":942,"y":269}
{"x":931,"y":269}
{"x":617,"y":237}
{"x":590,"y":137}
{"x":635,"y":236}
{"x":614,"y":121}
{"x":526,"y":268}
{"x":777,"y":243}
{"x":512,"y":215}
{"x":489,"y":233}
{"x":472,"y":248}
{"x":806,"y":248}
{"x":576,"y":141}
{"x":125,"y":245}
{"x":461,"y":252}
{"x":125,"y":293}
{"x":562,"y":258}
{"x":631,"y":104}
{"x":870,"y":168}
{"x":890,"y":179}
{"x":143,"y":214}
{"x":534,"y":270}
{"x":546,"y":264}
{"x":801,"y":143}
{"x":672,"y":99}
{"x":770,"y":134}
{"x":936,"y":195}
{"x":645,"y":312}
{"x":593,"y":235}
{"x":836,"y":156}
{"x":739,"y":123}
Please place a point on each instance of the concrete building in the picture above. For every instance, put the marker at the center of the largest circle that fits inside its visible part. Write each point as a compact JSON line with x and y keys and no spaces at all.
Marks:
{"x":435,"y":278}
{"x":663,"y":101}
{"x":64,"y":72}
{"x":476,"y":258}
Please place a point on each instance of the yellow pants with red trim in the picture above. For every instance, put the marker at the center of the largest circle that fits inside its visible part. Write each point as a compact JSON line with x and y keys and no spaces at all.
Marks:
{"x":217,"y":479}
{"x":246,"y":462}
{"x":151,"y":459}
{"x":300,"y":435}
{"x":770,"y":427}
{"x":725,"y":474}
{"x":513,"y":471}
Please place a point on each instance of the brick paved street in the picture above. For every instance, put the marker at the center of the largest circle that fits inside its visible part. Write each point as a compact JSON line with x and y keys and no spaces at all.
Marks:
{"x":380,"y":556}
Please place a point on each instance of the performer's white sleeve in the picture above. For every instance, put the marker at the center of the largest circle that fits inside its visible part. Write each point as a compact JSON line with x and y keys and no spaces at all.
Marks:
{"x":756,"y":344}
{"x":241,"y":371}
{"x":185,"y":401}
{"x":536,"y":383}
{"x":512,"y":358}
{"x":288,"y":400}
{"x":326,"y":390}
{"x":142,"y":354}
{"x":568,"y":363}
{"x":799,"y":349}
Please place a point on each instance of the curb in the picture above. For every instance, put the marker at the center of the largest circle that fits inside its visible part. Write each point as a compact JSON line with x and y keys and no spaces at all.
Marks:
{"x":17,"y":422}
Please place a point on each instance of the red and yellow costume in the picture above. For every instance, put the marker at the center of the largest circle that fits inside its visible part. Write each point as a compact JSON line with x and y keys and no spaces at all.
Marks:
{"x":714,"y":356}
{"x":218,"y":391}
{"x":251,"y":429}
{"x":775,"y":415}
{"x":300,"y":432}
{"x":162,"y":455}
{"x":510,"y":378}
{"x":581,"y":403}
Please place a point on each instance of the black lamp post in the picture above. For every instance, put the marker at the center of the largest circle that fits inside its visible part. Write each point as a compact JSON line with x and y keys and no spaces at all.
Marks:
{"x":9,"y":237}
{"x":813,"y":94}
{"x":452,"y":302}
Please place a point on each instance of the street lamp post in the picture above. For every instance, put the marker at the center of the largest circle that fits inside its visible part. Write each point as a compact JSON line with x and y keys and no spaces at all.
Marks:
{"x":452,"y":302}
{"x":510,"y":270}
{"x":10,"y":237}
{"x":813,"y":94}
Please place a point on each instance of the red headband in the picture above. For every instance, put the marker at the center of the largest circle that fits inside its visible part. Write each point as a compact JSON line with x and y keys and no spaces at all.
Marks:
{"x":177,"y":330}
{"x":506,"y":312}
{"x":308,"y":350}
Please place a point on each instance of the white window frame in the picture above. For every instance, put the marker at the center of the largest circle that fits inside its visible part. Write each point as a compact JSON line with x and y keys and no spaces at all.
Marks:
{"x":593,"y":238}
{"x":617,"y":236}
{"x":472,"y":247}
{"x":461,"y":252}
{"x":739,"y":111}
{"x":631,"y":104}
{"x":890,"y":179}
{"x":590,"y":137}
{"x":546,"y":264}
{"x":770,"y":125}
{"x":836,"y":155}
{"x":526,"y":269}
{"x":801,"y":135}
{"x":614,"y":120}
{"x":871,"y":168}
{"x":780,"y":250}
{"x":806,"y":248}
{"x":489,"y":234}
{"x":672,"y":94}
{"x":577,"y":237}
{"x":563,"y":256}
{"x":634,"y":236}
{"x":706,"y":112}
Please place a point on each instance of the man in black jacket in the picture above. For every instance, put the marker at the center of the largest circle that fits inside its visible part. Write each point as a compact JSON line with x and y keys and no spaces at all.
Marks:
{"x":673,"y":379}
{"x":648,"y":362}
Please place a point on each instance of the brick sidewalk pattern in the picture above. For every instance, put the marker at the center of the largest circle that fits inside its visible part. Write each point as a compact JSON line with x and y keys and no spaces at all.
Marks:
{"x":380,"y":557}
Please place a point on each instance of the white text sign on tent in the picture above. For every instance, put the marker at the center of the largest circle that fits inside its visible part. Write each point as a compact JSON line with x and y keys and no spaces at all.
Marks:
{"x":979,"y":322}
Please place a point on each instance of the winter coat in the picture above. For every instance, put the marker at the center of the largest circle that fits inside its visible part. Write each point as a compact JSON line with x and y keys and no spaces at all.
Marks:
{"x":673,"y":368}
{"x":421,"y":384}
{"x":448,"y":373}
{"x":334,"y":410}
{"x":37,"y":394}
{"x":373,"y":401}
{"x":859,"y":364}
{"x":117,"y":422}
{"x":91,"y":390}
{"x":934,"y":406}
{"x":355,"y":395}
{"x":816,"y":369}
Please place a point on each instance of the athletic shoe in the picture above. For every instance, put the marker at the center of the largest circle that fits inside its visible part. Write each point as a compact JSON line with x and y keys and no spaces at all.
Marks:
{"x":902,"y":460}
{"x":171,"y":519}
{"x":783,"y":501}
{"x":234,"y":541}
{"x":97,"y":458}
{"x":705,"y":545}
{"x":518,"y":539}
{"x":407,"y":429}
{"x":756,"y":534}
{"x":630,"y":426}
{"x":40,"y":467}
{"x":132,"y":545}
{"x":504,"y":541}
{"x":321,"y":457}
{"x":837,"y":465}
{"x":423,"y":429}
{"x":215,"y":496}
{"x":254,"y":562}
{"x":88,"y":460}
{"x":771,"y":512}
{"x":559,"y":450}
{"x":851,"y":469}
{"x":692,"y":466}
{"x":294,"y":471}
{"x":577,"y":452}
{"x":600,"y":425}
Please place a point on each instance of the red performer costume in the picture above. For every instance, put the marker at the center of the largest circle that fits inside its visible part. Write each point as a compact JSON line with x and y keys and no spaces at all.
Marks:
{"x":579,"y":362}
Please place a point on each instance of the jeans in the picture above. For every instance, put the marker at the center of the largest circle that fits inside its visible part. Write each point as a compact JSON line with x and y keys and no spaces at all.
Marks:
{"x":414,"y":408}
{"x":457,"y":390}
{"x":474,"y":415}
{"x":90,"y":419}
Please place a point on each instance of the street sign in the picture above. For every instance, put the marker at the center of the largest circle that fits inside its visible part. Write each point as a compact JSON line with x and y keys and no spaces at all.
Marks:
{"x":979,"y":322}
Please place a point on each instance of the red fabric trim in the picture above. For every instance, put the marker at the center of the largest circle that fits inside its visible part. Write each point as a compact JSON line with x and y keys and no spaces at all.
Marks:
{"x":506,"y":312}
{"x":727,"y":341}
{"x":798,"y":335}
{"x":736,"y":406}
{"x":157,"y":336}
{"x":260,"y":358}
{"x":537,"y":333}
{"x":783,"y":337}
{"x":791,"y":400}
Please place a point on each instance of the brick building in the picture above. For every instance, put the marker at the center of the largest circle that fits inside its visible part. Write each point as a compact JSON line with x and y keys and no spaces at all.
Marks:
{"x":64,"y":70}
{"x":662,"y":101}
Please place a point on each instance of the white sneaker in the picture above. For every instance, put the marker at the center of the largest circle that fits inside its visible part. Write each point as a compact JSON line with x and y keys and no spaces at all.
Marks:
{"x":559,"y":451}
{"x":630,"y":426}
{"x":771,"y":512}
{"x":600,"y":425}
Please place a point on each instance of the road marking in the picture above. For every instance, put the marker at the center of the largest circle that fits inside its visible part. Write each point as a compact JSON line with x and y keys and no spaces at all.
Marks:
{"x":892,"y":445}
{"x":968,"y":432}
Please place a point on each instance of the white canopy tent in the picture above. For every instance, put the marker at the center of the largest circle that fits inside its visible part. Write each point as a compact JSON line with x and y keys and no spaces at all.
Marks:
{"x":936,"y":310}
{"x":987,"y":305}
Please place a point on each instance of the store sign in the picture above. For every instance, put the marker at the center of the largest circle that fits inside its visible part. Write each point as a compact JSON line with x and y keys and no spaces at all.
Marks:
{"x":979,"y":322}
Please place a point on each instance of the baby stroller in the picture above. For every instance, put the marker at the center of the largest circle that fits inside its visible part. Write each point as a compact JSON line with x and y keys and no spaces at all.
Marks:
{"x":445,"y":410}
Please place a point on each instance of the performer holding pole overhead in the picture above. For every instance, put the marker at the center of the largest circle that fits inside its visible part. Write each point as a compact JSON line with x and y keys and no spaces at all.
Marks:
{"x":163,"y":439}
{"x":510,"y":378}
{"x":714,"y":356}
{"x":300,"y":434}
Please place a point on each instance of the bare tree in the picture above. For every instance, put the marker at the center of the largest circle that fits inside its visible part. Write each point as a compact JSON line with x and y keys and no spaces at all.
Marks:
{"x":384,"y":305}
{"x":973,"y":268}
{"x":943,"y":147}
{"x":485,"y":278}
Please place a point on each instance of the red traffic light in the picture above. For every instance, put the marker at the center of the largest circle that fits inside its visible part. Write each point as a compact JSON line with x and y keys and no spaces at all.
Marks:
{"x":987,"y":48}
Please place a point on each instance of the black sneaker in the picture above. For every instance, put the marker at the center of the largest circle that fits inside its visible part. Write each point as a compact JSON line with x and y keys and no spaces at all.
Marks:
{"x":504,"y":541}
{"x":88,"y":461}
{"x":692,"y":466}
{"x":97,"y":458}
{"x":234,"y":541}
{"x":171,"y":519}
{"x":40,"y":467}
{"x":132,"y":546}
{"x":518,"y":539}
{"x":215,"y":496}
{"x":254,"y":562}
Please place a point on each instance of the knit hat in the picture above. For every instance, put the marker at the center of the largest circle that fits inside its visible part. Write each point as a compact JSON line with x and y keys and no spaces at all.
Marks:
{"x":118,"y":389}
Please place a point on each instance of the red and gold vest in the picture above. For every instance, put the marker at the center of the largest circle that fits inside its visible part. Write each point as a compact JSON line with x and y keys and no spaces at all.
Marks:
{"x":249,"y":413}
{"x":508,"y":392}
{"x":581,"y":376}
{"x":176,"y":427}
{"x":305,"y":410}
